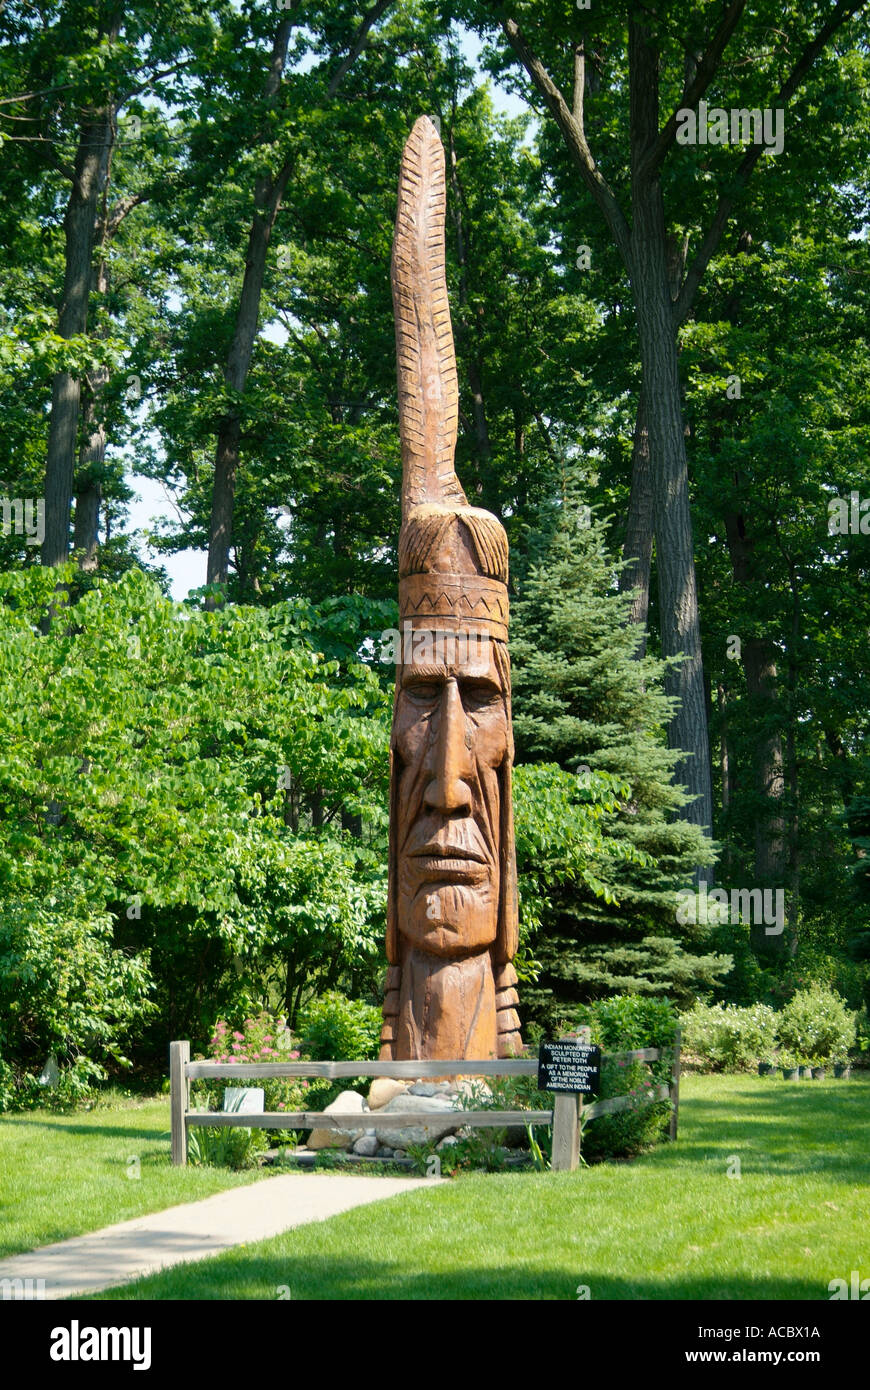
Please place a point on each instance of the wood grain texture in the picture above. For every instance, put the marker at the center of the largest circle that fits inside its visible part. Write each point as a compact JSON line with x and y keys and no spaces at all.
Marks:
{"x":426,"y":359}
{"x":374,"y":1119}
{"x":179,"y":1100}
{"x":415,"y":1070}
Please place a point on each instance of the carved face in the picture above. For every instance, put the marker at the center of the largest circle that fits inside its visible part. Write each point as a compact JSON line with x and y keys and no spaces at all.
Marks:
{"x":450,"y":740}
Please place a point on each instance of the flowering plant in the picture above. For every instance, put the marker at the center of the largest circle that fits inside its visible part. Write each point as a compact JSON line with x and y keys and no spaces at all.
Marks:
{"x":265,"y":1038}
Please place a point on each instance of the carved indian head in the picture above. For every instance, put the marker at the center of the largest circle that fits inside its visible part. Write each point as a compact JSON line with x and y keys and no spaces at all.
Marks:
{"x":452,"y":909}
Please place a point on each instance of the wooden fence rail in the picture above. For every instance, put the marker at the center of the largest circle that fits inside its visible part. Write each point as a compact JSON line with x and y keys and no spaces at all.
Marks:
{"x":565,"y":1116}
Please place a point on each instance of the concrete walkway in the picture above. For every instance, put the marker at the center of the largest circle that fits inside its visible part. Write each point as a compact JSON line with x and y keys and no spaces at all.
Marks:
{"x":196,"y":1230}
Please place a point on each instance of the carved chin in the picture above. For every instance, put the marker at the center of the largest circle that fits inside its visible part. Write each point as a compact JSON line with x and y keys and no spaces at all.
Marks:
{"x":450,"y":919}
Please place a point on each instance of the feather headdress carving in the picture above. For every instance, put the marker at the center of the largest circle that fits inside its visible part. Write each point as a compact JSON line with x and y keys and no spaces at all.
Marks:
{"x":432,"y":496}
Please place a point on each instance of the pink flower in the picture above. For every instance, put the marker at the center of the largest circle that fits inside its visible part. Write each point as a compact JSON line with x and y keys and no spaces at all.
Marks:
{"x":240,"y":1037}
{"x":305,"y":1084}
{"x":220,"y":1026}
{"x":282,"y":1105}
{"x":267,"y":1052}
{"x":236,"y":1047}
{"x":268,"y":1038}
{"x":294,"y":1056}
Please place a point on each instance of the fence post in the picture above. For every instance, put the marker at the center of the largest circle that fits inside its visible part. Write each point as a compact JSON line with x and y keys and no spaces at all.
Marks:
{"x":675,"y":1085}
{"x":566,"y":1132}
{"x":179,"y":1100}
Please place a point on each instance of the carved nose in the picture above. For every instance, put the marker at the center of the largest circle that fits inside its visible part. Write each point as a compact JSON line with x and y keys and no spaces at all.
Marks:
{"x":447,"y":792}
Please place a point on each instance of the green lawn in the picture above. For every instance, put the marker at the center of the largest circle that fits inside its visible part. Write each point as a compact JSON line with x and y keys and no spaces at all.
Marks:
{"x":671,"y":1225}
{"x":62,"y":1175}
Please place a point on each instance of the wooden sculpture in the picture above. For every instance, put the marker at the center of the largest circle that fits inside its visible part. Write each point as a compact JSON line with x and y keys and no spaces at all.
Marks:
{"x":452,"y":903}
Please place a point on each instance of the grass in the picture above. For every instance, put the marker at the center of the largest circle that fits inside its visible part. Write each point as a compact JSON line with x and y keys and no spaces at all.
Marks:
{"x":671,"y":1225}
{"x":63,"y":1175}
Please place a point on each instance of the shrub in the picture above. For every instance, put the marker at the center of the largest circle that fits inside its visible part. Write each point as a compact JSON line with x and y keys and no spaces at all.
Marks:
{"x":335,"y":1028}
{"x":725,"y":1037}
{"x":624,"y":1023}
{"x":67,"y":991}
{"x":816,"y":1025}
{"x":236,"y":1147}
{"x":263,"y":1038}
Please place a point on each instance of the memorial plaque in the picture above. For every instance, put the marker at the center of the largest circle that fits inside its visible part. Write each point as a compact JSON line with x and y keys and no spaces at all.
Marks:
{"x":569,"y":1066}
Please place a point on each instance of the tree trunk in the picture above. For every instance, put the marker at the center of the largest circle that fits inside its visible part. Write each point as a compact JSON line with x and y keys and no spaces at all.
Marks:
{"x":88,"y":484}
{"x":640,"y":524}
{"x":267,"y":200}
{"x":678,"y":599}
{"x":95,"y":141}
{"x":639,"y":530}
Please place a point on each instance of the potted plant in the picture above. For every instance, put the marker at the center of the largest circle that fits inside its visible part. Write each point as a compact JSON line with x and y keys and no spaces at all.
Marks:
{"x":816,"y":1025}
{"x":805,"y":1068}
{"x":842,"y":1065}
{"x":818,"y":1072}
{"x":790,"y":1066}
{"x":767,"y":1064}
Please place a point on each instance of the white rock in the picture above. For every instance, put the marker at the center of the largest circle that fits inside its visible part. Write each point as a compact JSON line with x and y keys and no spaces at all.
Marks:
{"x":383,"y":1089}
{"x":424,"y":1133}
{"x":367,"y":1146}
{"x":475,"y":1088}
{"x":348,"y":1103}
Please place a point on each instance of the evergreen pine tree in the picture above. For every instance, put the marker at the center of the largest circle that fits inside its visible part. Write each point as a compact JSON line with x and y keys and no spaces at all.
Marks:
{"x":584,"y":700}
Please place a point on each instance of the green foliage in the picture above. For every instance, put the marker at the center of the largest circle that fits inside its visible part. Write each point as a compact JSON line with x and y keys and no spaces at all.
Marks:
{"x":335,"y":1028}
{"x":67,"y":991}
{"x":225,"y":1146}
{"x":624,"y":1024}
{"x":193,"y":805}
{"x":173,"y":785}
{"x":725,"y":1037}
{"x":560,"y":829}
{"x":265,"y":1038}
{"x":605,"y":922}
{"x":629,"y":1021}
{"x":816,"y":1025}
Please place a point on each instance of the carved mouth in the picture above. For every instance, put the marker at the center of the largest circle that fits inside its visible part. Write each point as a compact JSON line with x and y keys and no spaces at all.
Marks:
{"x":447,"y":854}
{"x":440,"y":868}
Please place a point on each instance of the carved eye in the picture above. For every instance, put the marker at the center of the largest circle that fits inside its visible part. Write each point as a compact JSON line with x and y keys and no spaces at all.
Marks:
{"x":422,"y":692}
{"x":479,"y":697}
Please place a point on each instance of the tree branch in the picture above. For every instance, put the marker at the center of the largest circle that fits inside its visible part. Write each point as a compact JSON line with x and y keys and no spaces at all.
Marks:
{"x":579,"y":82}
{"x":370,"y":17}
{"x":155,"y":77}
{"x":574,"y":137}
{"x":724,"y":207}
{"x":707,"y":67}
{"x":120,"y":210}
